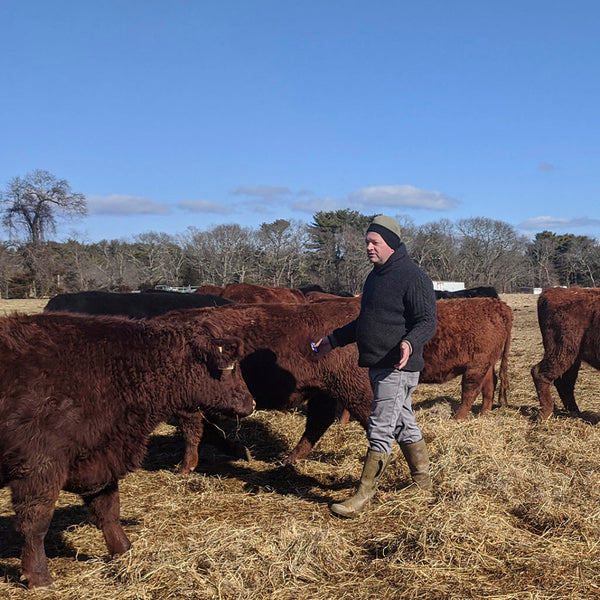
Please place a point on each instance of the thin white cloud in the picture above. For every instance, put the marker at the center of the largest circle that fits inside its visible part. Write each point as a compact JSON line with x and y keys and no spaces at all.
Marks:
{"x":121,"y":205}
{"x":401,"y":196}
{"x":263,"y":199}
{"x":262,"y":191}
{"x":544,"y":166}
{"x":316,"y":204}
{"x":203,"y":206}
{"x":547,"y":223}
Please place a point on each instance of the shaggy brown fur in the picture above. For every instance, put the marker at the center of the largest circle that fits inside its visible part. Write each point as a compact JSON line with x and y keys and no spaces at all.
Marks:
{"x":569,"y":321}
{"x":213,"y":290}
{"x":249,"y":293}
{"x":318,"y":296}
{"x":280,"y":368}
{"x":281,"y":373}
{"x":79,"y":397}
{"x":472,"y":335}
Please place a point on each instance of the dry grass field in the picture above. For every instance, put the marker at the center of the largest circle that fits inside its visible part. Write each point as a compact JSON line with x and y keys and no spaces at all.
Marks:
{"x":515,"y":515}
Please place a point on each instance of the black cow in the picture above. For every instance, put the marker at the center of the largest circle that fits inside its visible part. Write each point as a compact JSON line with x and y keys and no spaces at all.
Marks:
{"x":482,"y":291}
{"x":142,"y":305}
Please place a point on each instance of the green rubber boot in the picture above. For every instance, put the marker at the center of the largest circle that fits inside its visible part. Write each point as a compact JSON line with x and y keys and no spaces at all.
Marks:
{"x":375,"y":465}
{"x":417,"y":457}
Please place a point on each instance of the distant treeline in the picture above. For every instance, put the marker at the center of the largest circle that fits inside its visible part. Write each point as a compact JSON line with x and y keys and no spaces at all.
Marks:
{"x":328,"y":252}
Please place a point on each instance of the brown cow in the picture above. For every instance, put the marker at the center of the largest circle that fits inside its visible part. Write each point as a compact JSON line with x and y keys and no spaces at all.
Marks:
{"x":569,"y":321}
{"x":213,"y":290}
{"x":280,"y":368}
{"x":316,"y":296}
{"x":472,"y":335}
{"x":281,"y":373}
{"x":79,"y":398}
{"x":250,"y":293}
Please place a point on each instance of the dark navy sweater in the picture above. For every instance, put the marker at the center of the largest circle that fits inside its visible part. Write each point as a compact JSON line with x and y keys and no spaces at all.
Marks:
{"x":398,"y":303}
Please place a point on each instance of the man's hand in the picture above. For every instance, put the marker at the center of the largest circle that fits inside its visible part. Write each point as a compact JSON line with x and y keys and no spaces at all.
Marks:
{"x":322,"y":347}
{"x":406,"y":351}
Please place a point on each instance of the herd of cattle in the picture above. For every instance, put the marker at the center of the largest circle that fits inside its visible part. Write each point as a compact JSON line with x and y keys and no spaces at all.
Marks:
{"x":85,"y":383}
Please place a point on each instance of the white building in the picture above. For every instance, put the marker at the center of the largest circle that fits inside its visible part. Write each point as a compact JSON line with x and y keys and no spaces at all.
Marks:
{"x":448,"y":286}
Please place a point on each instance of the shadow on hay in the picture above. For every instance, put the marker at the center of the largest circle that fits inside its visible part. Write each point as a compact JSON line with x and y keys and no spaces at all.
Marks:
{"x":429,"y":403}
{"x":282,"y":479}
{"x":531,"y":413}
{"x":266,"y":446}
{"x":55,"y":543}
{"x":166,"y":451}
{"x":534,"y":415}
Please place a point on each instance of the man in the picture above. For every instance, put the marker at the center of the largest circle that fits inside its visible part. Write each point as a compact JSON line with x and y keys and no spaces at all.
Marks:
{"x":397,"y":317}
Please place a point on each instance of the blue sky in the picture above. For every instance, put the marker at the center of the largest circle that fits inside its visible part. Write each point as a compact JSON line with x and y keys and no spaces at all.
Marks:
{"x":177,"y":113}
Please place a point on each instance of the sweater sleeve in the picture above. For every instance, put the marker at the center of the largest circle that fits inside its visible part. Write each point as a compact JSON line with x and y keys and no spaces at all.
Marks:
{"x":421,"y":312}
{"x":343,"y":335}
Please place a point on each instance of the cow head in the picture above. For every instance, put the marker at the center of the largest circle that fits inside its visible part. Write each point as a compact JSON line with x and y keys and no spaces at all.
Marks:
{"x":221,"y":355}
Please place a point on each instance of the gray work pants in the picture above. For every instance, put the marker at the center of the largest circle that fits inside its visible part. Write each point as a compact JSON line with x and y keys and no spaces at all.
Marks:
{"x":392,"y":417}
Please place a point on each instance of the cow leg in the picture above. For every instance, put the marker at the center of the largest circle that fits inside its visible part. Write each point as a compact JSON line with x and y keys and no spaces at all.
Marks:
{"x":543,"y":386}
{"x":487,"y":389}
{"x":544,"y":374}
{"x":192,"y":428}
{"x":471,"y":386}
{"x":345,"y":417}
{"x":565,"y":385}
{"x":33,"y":515}
{"x":320,"y":414}
{"x":104,"y":509}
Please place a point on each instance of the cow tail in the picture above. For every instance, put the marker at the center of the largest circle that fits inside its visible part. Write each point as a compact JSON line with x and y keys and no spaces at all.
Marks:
{"x":503,"y":375}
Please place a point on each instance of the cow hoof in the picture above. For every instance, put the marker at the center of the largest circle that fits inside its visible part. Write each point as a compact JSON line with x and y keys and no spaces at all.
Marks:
{"x":541,"y":416}
{"x":38,"y":583}
{"x":459,"y":417}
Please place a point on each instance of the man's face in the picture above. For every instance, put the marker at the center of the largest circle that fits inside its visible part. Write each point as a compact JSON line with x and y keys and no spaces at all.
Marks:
{"x":377,"y":250}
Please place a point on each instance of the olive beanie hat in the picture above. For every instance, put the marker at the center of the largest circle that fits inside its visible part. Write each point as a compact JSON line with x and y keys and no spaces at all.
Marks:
{"x":388,"y":229}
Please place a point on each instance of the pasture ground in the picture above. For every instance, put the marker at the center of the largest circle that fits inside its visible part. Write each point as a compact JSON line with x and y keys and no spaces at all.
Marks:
{"x":515,"y":515}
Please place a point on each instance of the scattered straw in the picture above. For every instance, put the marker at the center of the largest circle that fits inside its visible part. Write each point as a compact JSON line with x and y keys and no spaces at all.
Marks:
{"x":515,"y":514}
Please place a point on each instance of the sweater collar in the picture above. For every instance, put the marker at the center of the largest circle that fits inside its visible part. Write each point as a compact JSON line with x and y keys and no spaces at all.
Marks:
{"x":397,"y":256}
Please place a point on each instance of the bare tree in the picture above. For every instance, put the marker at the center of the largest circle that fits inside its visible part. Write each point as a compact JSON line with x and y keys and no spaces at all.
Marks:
{"x":490,"y":253}
{"x":581,"y":260}
{"x":226,"y":254}
{"x":541,"y":254}
{"x":281,"y":260}
{"x":116,"y":272}
{"x":158,"y":258}
{"x":80,"y":271}
{"x":33,"y":203}
{"x":434,"y":249}
{"x":11,"y":265}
